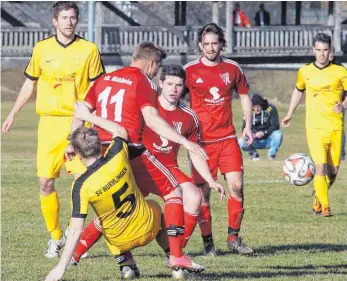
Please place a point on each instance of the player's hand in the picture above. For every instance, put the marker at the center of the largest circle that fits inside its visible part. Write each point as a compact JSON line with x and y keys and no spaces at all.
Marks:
{"x":338,"y":107}
{"x":259,"y":135}
{"x":82,"y":112}
{"x":6,"y":126}
{"x":56,"y":274}
{"x":217,"y":187}
{"x":286,"y":121}
{"x":69,"y":152}
{"x":195,"y":148}
{"x":247,"y":135}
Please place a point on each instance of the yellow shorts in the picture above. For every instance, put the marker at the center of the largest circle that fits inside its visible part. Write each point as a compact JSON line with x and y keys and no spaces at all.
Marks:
{"x":324,"y":146}
{"x":52,"y":141}
{"x":144,"y":239}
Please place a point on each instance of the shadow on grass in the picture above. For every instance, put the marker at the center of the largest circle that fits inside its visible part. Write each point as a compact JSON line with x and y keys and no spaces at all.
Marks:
{"x":336,"y":267}
{"x":283,"y":272}
{"x":311,"y":248}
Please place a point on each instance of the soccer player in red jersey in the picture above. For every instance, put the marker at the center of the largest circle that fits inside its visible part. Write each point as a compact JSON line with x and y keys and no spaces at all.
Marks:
{"x":129,"y":97}
{"x":211,"y":80}
{"x":185,"y":122}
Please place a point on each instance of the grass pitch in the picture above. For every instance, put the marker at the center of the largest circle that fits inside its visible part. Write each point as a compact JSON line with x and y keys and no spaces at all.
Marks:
{"x":289,"y":243}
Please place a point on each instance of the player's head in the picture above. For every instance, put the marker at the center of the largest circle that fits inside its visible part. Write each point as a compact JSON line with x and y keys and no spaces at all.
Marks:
{"x":149,"y":57}
{"x":321,"y":48}
{"x":259,"y":103}
{"x":65,"y":17}
{"x":211,"y":41}
{"x":86,"y":143}
{"x":172,"y":79}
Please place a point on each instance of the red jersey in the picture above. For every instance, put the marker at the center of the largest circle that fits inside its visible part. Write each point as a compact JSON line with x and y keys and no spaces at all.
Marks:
{"x":211,"y":90}
{"x":119,"y":96}
{"x":183,"y":120}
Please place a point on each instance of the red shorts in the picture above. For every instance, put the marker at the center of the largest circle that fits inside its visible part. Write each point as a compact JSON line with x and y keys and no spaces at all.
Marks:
{"x":159,"y":176}
{"x":225,"y":155}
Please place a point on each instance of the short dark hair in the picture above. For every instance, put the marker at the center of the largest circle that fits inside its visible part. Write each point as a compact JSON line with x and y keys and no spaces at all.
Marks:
{"x":211,"y":28}
{"x":323,"y":38}
{"x":148,"y":51}
{"x":64,"y":6}
{"x":172,"y":70}
{"x":86,"y":142}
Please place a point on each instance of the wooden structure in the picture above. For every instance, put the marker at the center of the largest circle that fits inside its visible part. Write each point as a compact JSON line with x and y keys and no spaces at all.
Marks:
{"x":255,"y":41}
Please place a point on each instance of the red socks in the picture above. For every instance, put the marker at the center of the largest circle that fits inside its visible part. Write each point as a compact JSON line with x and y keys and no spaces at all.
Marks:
{"x":205,"y":219}
{"x":91,"y":234}
{"x":235,"y":211}
{"x":173,"y":214}
{"x":190,"y":221}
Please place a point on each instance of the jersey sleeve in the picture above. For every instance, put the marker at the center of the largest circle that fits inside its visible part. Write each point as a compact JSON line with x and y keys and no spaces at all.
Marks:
{"x":80,"y":200}
{"x":193,"y":133}
{"x":146,"y":93}
{"x":117,"y":146}
{"x":344,"y":79}
{"x":91,"y":97}
{"x":300,"y":81}
{"x":242,"y":86}
{"x":96,"y":66}
{"x":33,"y":69}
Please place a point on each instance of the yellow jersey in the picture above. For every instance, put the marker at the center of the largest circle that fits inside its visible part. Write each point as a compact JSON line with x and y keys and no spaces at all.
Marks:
{"x":324,"y":88}
{"x":63,"y":72}
{"x":109,"y":186}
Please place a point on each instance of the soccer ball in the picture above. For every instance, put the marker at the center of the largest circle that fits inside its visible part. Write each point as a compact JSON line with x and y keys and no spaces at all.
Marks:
{"x":299,"y":169}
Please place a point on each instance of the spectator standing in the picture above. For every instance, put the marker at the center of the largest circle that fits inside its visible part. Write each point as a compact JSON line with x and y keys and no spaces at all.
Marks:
{"x":262,"y":17}
{"x":239,"y":17}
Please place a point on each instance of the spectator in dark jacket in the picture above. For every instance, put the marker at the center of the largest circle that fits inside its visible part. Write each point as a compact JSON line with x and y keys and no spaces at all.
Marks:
{"x":262,"y":17}
{"x":265,"y":128}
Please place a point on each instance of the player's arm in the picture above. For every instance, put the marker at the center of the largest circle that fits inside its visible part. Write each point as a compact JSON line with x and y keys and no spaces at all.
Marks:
{"x":246,"y":104}
{"x":294,"y":102}
{"x":83,"y":113}
{"x":75,"y":231}
{"x":202,"y":167}
{"x":162,"y":128}
{"x":24,"y":95}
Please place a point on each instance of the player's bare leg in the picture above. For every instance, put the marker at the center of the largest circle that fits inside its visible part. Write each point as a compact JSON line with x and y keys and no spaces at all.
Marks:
{"x":191,"y":205}
{"x":205,"y":221}
{"x":50,"y":210}
{"x":235,"y":211}
{"x":173,"y":214}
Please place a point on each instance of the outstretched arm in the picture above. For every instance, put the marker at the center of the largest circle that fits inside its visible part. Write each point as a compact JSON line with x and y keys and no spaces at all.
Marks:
{"x":162,"y":128}
{"x":202,"y":167}
{"x":24,"y":95}
{"x":294,"y":102}
{"x":83,"y":113}
{"x":75,"y":231}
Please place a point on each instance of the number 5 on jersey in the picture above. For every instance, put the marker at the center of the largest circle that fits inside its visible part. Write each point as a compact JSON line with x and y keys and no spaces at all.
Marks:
{"x":117,"y":99}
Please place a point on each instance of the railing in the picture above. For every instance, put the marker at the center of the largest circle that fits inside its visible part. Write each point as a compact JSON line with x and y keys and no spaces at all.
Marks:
{"x":264,"y":41}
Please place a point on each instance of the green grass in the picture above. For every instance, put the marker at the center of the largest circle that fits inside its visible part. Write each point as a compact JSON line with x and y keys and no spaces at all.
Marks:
{"x":289,"y":243}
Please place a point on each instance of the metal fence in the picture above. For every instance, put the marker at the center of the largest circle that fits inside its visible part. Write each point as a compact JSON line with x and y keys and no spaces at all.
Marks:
{"x":264,"y":41}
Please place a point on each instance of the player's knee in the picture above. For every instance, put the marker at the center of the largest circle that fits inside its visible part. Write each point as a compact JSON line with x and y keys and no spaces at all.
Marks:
{"x":205,"y":192}
{"x":236,"y":188}
{"x":46,"y":185}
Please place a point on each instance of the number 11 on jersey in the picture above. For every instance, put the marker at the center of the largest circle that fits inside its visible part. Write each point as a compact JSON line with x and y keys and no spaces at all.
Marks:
{"x":117,"y":99}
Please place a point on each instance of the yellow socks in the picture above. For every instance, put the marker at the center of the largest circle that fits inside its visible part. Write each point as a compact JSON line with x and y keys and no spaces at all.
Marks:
{"x":321,"y":189}
{"x":50,"y":211}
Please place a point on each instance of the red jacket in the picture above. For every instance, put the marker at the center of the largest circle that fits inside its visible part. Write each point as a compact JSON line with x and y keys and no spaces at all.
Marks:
{"x":243,"y":18}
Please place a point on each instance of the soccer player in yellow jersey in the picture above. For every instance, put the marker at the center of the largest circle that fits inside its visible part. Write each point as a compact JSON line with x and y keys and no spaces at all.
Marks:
{"x":62,"y":68}
{"x":323,"y":82}
{"x":127,"y":219}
